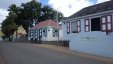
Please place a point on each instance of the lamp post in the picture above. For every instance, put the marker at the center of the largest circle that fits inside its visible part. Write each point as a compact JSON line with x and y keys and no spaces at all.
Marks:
{"x":58,"y":26}
{"x":57,"y":29}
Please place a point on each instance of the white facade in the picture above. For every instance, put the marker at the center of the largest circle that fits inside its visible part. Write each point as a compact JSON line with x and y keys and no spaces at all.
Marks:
{"x":90,"y":40}
{"x":46,"y":34}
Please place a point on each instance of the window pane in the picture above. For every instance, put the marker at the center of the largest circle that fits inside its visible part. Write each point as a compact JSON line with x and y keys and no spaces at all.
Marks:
{"x":109,"y":26}
{"x":87,"y":28}
{"x":87,"y":22}
{"x":103,"y":27}
{"x":78,"y":29}
{"x":103,"y":20}
{"x":108,"y":18}
{"x":78,"y":23}
{"x":67,"y":29}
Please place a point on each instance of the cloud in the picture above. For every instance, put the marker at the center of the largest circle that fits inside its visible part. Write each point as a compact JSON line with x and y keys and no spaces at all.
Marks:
{"x":3,"y":14}
{"x":6,"y":3}
{"x":68,"y":7}
{"x":100,"y":1}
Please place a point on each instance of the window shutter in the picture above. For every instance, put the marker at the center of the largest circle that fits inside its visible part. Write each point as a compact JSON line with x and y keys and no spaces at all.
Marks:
{"x":109,"y":23}
{"x":68,"y":27}
{"x":87,"y":25}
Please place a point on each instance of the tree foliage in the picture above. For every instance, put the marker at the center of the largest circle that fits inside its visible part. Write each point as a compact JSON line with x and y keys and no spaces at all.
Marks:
{"x":9,"y":26}
{"x":28,"y":14}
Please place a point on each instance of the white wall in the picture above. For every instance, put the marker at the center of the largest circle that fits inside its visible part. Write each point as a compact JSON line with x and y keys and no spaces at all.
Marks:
{"x":50,"y":35}
{"x":60,"y":34}
{"x":93,"y":43}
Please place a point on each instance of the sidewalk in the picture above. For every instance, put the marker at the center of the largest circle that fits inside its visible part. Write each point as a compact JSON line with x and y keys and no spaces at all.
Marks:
{"x":76,"y":54}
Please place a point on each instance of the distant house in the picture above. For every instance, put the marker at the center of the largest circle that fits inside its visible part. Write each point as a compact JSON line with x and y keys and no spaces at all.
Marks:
{"x":90,"y":30}
{"x":45,"y":31}
{"x":19,"y":34}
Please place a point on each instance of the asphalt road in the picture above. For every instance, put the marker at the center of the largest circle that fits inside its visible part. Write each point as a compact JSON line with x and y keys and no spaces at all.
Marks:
{"x":24,"y":53}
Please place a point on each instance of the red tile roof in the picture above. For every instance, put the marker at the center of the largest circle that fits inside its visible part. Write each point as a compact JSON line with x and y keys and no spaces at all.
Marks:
{"x":45,"y":24}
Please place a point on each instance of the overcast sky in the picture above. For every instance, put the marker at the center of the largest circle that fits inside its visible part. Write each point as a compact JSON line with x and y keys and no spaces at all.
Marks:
{"x":67,"y":7}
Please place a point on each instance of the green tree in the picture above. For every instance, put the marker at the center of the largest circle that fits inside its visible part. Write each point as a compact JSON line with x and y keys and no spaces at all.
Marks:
{"x":50,"y":13}
{"x":9,"y":26}
{"x":29,"y":13}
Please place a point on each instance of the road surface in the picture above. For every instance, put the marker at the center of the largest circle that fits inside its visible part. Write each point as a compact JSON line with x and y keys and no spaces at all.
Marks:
{"x":25,"y":53}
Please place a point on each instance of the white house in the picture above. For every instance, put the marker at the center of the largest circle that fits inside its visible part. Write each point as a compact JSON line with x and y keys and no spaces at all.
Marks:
{"x":45,"y":31}
{"x":90,"y":30}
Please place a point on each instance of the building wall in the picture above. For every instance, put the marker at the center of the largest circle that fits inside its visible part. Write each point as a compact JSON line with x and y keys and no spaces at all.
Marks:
{"x":93,"y":42}
{"x":49,"y":36}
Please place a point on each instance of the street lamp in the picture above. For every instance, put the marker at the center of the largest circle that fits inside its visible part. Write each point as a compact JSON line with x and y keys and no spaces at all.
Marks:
{"x":58,"y":26}
{"x":57,"y":29}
